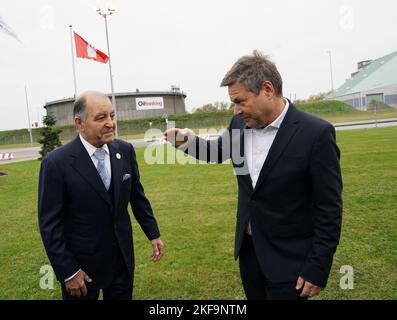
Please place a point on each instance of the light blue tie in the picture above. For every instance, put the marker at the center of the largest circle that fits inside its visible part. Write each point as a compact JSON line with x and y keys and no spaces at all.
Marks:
{"x":103,"y":172}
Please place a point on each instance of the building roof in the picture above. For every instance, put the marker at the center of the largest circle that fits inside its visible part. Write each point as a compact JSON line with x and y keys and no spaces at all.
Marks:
{"x":379,"y":73}
{"x":126,"y":94}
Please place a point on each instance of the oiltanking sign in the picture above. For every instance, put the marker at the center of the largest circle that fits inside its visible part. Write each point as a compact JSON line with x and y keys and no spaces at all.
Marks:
{"x":149,"y":103}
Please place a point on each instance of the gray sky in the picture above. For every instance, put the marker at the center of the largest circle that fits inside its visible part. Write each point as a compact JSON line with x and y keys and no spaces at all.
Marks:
{"x":155,"y":44}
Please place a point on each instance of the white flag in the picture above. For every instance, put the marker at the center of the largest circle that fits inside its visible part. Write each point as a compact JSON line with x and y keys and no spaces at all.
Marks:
{"x":7,"y":30}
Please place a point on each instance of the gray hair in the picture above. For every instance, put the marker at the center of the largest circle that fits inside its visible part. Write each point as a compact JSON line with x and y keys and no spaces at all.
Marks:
{"x":253,"y":70}
{"x":79,"y":107}
{"x":80,"y":104}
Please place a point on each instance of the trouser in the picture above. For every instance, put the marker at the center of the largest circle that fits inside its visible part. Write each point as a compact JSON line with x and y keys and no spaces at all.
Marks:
{"x":120,"y":288}
{"x":256,"y":285}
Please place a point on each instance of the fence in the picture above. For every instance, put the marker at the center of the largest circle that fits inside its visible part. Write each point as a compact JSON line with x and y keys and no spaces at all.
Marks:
{"x":134,"y":129}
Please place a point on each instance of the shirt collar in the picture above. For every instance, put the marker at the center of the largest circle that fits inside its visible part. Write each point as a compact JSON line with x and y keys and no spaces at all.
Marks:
{"x":277,"y":122}
{"x":90,"y":148}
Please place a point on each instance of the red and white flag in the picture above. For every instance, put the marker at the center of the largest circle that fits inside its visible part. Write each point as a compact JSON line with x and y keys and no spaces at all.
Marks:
{"x":87,"y":51}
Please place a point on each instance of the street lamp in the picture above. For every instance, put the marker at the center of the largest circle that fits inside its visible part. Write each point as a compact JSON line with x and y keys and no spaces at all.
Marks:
{"x":27,"y":108}
{"x":105,"y":13}
{"x":330,"y":67}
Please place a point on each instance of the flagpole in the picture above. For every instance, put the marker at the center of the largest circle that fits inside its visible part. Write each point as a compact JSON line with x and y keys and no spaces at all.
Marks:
{"x":74,"y":68}
{"x":27,"y":108}
{"x":104,"y":15}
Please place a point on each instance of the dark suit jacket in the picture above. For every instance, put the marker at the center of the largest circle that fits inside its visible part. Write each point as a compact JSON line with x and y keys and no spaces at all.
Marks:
{"x":296,"y":207}
{"x":81,"y":223}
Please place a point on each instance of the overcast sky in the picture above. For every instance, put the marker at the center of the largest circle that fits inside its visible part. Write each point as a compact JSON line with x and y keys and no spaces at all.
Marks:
{"x":155,"y":44}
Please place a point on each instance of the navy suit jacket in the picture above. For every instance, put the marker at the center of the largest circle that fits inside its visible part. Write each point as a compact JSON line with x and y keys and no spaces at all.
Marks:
{"x":80,"y":221}
{"x":295,"y":208}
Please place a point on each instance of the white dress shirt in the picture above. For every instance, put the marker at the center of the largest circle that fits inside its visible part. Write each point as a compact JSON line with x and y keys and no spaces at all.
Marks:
{"x":257,"y":143}
{"x":91,"y":149}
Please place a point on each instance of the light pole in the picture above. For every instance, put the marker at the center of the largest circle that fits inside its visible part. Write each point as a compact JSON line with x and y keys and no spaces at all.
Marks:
{"x":105,"y":13}
{"x":27,"y":108}
{"x":330,"y":67}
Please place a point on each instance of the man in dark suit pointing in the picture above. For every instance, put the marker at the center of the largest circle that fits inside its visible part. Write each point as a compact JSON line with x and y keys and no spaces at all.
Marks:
{"x":84,"y":190}
{"x":287,"y":167}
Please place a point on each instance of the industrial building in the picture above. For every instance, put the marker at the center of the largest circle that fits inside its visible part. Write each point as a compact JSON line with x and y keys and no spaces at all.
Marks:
{"x":374,"y":81}
{"x":129,"y":105}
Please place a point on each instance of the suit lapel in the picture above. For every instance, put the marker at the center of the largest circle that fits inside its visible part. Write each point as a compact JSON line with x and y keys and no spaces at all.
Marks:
{"x":116,"y":164}
{"x":287,"y":130}
{"x":85,"y":167}
{"x":242,"y":170}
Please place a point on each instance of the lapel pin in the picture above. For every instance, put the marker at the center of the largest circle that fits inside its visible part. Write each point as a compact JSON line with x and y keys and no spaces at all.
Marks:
{"x":118,"y":156}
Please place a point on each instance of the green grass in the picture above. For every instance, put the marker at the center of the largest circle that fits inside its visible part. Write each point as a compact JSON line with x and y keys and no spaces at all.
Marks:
{"x":327,"y":107}
{"x":195,"y":206}
{"x":333,"y":111}
{"x":364,"y":115}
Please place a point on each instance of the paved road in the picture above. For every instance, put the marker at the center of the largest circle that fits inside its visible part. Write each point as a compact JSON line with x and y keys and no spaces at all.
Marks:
{"x":366,"y":124}
{"x":31,"y":153}
{"x":21,"y":154}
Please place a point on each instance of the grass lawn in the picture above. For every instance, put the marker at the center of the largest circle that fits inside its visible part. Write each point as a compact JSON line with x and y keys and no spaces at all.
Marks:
{"x":362,"y":115}
{"x":332,"y":111}
{"x":195,"y":206}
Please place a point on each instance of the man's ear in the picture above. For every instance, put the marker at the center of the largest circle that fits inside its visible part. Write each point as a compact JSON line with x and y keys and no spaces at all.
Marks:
{"x":268,"y":89}
{"x":79,"y":123}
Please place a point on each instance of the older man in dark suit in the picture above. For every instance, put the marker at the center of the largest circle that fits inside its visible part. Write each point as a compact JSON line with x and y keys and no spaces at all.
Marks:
{"x":290,"y":186}
{"x":84,"y":190}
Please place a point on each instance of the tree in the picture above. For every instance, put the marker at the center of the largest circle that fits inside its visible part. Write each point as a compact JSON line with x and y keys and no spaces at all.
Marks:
{"x":317,"y":97}
{"x":221,"y":105}
{"x":50,"y":136}
{"x":206,"y":108}
{"x":213,"y":107}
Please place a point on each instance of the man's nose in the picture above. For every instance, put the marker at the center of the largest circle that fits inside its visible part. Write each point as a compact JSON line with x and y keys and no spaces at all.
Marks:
{"x":109,"y":122}
{"x":237,"y":111}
